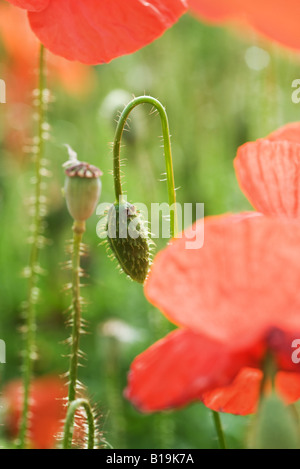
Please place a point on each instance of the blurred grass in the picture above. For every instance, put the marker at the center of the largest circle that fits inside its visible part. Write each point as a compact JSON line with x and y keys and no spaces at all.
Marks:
{"x":215,"y":103}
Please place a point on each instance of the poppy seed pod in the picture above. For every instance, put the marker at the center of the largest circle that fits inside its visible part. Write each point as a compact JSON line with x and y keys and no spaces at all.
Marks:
{"x":82,"y":190}
{"x":128,"y":240}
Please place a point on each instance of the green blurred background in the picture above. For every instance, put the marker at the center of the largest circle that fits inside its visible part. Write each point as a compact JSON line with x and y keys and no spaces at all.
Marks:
{"x":218,"y":93}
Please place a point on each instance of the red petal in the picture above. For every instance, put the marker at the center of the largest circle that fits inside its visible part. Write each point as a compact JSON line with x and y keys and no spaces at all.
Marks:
{"x":243,"y":282}
{"x":93,"y":31}
{"x":288,"y":385}
{"x":268,"y":172}
{"x":177,"y":369}
{"x":30,"y":5}
{"x":218,"y":10}
{"x":289,"y":132}
{"x":242,"y":395}
{"x":266,"y":17}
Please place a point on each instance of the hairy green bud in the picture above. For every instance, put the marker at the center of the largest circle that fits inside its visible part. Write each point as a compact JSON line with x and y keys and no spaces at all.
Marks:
{"x":128,"y":239}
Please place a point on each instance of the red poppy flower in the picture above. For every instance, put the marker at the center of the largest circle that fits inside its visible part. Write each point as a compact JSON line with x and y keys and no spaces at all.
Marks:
{"x":277,"y":21}
{"x":93,"y":31}
{"x":234,"y":299}
{"x":268,"y":172}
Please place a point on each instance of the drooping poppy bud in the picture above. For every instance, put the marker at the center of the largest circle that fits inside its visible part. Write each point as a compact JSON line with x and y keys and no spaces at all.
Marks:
{"x":128,"y":239}
{"x":82,"y":189}
{"x":276,"y":427}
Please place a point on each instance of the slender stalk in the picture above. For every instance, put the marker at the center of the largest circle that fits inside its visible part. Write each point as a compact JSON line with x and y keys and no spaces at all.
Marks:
{"x":69,"y":423}
{"x":82,"y":191}
{"x":219,"y":429}
{"x":167,"y":150}
{"x":78,"y":230}
{"x":73,"y":402}
{"x":33,"y":270}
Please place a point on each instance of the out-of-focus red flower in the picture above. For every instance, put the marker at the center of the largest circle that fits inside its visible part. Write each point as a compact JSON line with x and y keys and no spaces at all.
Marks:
{"x":19,"y":70}
{"x":276,"y":20}
{"x":234,"y":299}
{"x":215,"y":10}
{"x":47,"y":410}
{"x":93,"y":31}
{"x":268,"y":171}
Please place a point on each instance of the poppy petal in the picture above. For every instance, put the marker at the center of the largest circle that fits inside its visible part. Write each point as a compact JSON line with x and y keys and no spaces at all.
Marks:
{"x":30,"y":5}
{"x":242,"y":395}
{"x":268,"y":172}
{"x":218,"y":10}
{"x":288,"y":386}
{"x":289,"y":132}
{"x":94,"y":32}
{"x":265,"y":17}
{"x":177,"y":369}
{"x":216,"y":290}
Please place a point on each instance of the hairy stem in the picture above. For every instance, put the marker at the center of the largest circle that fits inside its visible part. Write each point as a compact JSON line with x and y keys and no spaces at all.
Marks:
{"x":73,"y":402}
{"x":78,"y":230}
{"x":167,"y":150}
{"x":33,"y":271}
{"x":69,"y":423}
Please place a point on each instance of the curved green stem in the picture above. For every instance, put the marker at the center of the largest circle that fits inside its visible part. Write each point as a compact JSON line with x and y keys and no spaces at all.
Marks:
{"x":69,"y":423}
{"x":30,"y":352}
{"x":219,"y":429}
{"x":167,"y":150}
{"x":78,"y":230}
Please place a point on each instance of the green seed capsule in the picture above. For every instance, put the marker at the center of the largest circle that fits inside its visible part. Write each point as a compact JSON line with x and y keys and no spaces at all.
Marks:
{"x":128,"y":240}
{"x":82,"y":190}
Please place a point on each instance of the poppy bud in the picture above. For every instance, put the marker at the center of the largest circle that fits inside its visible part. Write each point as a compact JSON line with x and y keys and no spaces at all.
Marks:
{"x":128,"y":240}
{"x":82,"y":190}
{"x":276,"y":427}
